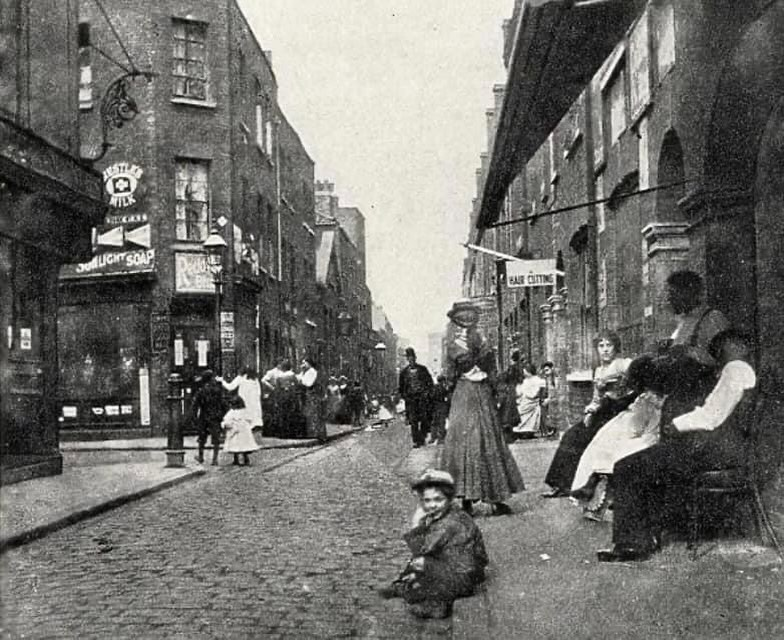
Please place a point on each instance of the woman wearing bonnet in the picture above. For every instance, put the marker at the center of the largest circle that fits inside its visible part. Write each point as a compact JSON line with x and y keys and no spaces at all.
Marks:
{"x":475,"y":451}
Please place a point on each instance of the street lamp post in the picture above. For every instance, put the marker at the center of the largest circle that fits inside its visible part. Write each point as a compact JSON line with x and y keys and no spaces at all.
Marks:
{"x":345,"y":321}
{"x":380,"y":348}
{"x":215,"y":244}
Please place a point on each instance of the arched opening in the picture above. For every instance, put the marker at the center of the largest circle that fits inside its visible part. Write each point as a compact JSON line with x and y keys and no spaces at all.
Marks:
{"x":741,"y":141}
{"x":670,"y":171}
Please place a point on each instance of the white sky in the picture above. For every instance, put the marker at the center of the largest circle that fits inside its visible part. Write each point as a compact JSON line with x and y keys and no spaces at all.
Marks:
{"x":389,"y":98}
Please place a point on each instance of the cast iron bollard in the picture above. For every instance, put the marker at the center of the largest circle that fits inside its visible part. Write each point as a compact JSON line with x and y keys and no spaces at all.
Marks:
{"x":175,"y":450}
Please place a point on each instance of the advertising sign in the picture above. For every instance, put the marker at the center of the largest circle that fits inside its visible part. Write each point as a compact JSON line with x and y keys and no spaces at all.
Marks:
{"x":192,"y":274}
{"x":112,"y":263}
{"x":531,"y":273}
{"x":227,"y":330}
{"x":121,"y":181}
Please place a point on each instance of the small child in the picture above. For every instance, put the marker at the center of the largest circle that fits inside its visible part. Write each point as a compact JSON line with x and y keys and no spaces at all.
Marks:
{"x":239,"y":432}
{"x":448,"y":553}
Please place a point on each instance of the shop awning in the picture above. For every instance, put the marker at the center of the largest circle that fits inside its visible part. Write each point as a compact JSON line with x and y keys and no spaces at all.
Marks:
{"x":558,"y":46}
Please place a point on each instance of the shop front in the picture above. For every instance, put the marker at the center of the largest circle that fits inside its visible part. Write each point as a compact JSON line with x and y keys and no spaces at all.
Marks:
{"x":48,"y":203}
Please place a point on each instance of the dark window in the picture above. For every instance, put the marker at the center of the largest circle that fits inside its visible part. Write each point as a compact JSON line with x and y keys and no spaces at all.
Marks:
{"x":189,"y":67}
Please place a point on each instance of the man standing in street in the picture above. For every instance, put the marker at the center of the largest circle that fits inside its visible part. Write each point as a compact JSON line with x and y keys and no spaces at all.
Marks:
{"x":415,"y":386}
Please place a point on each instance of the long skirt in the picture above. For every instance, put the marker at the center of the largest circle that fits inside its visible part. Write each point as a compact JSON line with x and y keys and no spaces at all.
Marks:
{"x":574,"y":441}
{"x":475,"y":451}
{"x":312,"y":409}
{"x":630,"y":431}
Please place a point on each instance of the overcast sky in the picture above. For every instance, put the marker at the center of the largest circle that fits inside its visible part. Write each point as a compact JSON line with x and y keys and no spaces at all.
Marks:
{"x":389,"y":98}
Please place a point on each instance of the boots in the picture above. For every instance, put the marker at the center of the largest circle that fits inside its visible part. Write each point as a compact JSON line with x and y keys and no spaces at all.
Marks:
{"x":236,"y":461}
{"x":200,"y":455}
{"x":246,"y":459}
{"x":215,"y":458}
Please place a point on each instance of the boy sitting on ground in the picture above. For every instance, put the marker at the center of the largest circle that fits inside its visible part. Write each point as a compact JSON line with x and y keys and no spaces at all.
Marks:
{"x":448,"y":553}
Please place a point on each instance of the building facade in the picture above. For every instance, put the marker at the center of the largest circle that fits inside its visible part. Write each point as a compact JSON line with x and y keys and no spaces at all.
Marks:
{"x":209,"y":150}
{"x":659,"y":148}
{"x":346,"y":338}
{"x":49,"y":201}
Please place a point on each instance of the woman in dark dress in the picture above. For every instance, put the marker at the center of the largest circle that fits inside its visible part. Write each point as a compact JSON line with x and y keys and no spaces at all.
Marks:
{"x":610,"y":397}
{"x":475,"y":450}
{"x":313,"y":400}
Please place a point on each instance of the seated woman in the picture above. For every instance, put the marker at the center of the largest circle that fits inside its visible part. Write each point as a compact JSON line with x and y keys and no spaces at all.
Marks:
{"x":633,"y":430}
{"x":610,"y":397}
{"x":529,"y":394}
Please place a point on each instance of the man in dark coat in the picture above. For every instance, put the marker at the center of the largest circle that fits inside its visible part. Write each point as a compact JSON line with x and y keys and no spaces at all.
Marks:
{"x":415,"y":385}
{"x":711,"y":436}
{"x":208,"y":411}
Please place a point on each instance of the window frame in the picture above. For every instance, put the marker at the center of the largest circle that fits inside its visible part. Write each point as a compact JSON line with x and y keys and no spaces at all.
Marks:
{"x":202,"y":224}
{"x":189,"y":61}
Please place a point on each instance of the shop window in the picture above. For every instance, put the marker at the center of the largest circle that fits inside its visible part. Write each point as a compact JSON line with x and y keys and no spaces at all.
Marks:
{"x":189,"y":68}
{"x":85,"y":67}
{"x":192,"y":191}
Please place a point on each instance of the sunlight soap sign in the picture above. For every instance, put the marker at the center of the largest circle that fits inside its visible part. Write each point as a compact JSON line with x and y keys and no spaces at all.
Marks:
{"x":531,"y":273}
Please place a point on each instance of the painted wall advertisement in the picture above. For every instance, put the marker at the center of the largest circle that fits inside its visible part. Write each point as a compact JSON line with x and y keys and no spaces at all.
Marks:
{"x":192,"y":274}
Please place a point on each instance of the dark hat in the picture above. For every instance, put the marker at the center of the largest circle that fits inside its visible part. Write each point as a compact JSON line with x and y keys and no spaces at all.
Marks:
{"x":410,"y":352}
{"x":464,"y":313}
{"x":435,"y":478}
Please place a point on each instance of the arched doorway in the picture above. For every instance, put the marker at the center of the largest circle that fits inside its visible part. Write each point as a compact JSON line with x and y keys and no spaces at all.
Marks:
{"x":670,"y":171}
{"x":744,"y":187}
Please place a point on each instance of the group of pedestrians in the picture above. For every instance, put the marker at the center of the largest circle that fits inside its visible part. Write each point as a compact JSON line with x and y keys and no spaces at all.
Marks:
{"x":654,"y":422}
{"x":295,"y":408}
{"x":426,"y":403}
{"x":236,"y":417}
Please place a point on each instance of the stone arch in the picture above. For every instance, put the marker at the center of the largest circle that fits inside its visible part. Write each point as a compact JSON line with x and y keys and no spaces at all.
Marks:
{"x":670,"y":171}
{"x":745,"y":114}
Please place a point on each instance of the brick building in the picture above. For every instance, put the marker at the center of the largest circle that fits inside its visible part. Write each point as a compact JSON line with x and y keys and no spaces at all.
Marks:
{"x":346,"y":336}
{"x":636,"y":139}
{"x":49,"y":200}
{"x":209,"y":149}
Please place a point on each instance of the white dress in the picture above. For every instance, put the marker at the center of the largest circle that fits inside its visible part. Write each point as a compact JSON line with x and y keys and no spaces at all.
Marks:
{"x":239,"y":433}
{"x":630,"y":431}
{"x":250,"y":392}
{"x":527,"y":395}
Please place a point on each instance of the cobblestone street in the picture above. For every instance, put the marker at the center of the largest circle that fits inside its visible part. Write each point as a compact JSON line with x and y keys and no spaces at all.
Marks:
{"x":292,"y":552}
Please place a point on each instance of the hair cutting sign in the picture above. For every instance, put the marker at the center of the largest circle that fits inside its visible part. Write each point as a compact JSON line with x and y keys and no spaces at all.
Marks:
{"x":531,"y":273}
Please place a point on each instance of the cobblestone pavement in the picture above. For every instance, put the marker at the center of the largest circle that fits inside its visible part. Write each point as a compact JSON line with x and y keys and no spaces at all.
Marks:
{"x":293,"y":552}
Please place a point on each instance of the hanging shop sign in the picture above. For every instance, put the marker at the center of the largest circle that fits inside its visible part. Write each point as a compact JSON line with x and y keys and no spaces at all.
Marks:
{"x":112,"y":263}
{"x":531,"y":273}
{"x":191,"y":273}
{"x":121,"y":181}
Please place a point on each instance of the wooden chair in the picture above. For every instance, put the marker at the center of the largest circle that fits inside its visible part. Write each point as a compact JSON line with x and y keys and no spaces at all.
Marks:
{"x":741,"y":481}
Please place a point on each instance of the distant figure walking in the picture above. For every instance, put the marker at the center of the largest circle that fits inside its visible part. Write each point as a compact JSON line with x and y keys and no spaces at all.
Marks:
{"x":239,"y":432}
{"x":313,"y":401}
{"x":249,"y":389}
{"x":207,"y":413}
{"x":440,"y":401}
{"x":355,"y":398}
{"x":415,"y":385}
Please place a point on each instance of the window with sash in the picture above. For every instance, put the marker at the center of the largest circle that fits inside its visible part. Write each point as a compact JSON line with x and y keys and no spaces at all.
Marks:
{"x":189,"y":59}
{"x":192,"y":196}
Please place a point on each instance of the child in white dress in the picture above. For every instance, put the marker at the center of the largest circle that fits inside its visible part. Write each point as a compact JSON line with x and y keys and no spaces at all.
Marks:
{"x":237,"y":424}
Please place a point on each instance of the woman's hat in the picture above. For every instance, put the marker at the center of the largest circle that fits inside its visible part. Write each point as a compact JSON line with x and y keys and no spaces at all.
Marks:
{"x":434,"y":478}
{"x":464,"y":313}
